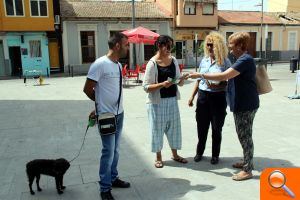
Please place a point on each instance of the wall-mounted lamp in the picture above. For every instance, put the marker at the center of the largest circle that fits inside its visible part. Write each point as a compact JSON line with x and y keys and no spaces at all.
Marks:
{"x":56,"y":19}
{"x":56,"y":26}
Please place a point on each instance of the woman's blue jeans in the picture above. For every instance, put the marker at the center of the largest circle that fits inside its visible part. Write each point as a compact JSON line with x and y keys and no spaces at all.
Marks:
{"x":109,"y":156}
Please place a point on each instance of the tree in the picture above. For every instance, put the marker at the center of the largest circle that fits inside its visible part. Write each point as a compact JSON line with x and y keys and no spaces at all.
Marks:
{"x":201,"y":49}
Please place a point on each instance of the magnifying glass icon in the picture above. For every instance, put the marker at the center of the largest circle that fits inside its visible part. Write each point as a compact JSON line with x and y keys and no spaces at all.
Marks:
{"x":277,"y":180}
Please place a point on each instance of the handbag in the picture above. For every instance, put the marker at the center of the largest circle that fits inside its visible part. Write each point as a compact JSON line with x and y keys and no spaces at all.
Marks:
{"x":262,"y":80}
{"x":107,"y":122}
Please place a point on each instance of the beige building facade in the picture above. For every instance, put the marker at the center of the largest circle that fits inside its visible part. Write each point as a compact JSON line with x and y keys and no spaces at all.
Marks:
{"x":192,"y":21}
{"x":283,"y":5}
{"x":280,"y":37}
{"x":281,"y":42}
{"x":277,"y":40}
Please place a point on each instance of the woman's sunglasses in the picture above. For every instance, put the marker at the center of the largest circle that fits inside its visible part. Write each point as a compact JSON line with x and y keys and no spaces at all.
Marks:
{"x":210,"y":45}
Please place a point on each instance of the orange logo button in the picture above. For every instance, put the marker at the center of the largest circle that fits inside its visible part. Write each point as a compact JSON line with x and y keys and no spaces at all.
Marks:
{"x":280,"y":184}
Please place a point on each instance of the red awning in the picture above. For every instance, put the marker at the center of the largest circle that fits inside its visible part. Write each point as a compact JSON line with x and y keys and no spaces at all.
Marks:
{"x":141,"y":35}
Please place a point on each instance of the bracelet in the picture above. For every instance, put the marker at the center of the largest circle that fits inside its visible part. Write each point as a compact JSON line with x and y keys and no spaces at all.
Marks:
{"x":202,"y":76}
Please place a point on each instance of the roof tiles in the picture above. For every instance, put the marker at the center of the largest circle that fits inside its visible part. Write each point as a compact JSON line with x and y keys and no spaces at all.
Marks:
{"x":110,"y":9}
{"x":254,"y":17}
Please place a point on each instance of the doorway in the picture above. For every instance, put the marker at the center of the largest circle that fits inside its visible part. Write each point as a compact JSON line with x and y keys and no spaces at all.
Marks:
{"x":180,"y":51}
{"x":252,"y":44}
{"x":15,"y":61}
{"x":149,"y":51}
{"x":53,"y":54}
{"x":2,"y":62}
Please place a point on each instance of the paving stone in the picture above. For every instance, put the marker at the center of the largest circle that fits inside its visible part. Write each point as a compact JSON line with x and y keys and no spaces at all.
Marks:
{"x":49,"y":122}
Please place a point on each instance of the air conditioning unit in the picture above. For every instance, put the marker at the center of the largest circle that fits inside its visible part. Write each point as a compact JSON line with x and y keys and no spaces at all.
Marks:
{"x":57,"y":19}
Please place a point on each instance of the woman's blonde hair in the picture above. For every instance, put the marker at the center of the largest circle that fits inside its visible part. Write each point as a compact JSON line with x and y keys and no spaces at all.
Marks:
{"x":219,"y":46}
{"x":240,"y":38}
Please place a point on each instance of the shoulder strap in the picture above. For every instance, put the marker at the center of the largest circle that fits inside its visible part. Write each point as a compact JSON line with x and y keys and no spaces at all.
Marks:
{"x":153,"y":63}
{"x":120,"y":88}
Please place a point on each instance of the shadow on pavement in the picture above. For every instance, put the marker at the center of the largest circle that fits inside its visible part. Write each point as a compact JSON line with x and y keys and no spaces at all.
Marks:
{"x":260,"y":163}
{"x":171,"y":188}
{"x":53,"y":129}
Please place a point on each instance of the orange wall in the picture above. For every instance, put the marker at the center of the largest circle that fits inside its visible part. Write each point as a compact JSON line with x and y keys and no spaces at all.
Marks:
{"x":293,"y":6}
{"x":1,"y":26}
{"x":283,"y":6}
{"x":167,"y":4}
{"x":27,"y":23}
{"x":197,"y":20}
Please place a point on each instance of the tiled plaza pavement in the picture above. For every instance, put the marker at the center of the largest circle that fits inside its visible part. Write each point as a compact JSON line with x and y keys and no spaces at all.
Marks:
{"x":49,"y":122}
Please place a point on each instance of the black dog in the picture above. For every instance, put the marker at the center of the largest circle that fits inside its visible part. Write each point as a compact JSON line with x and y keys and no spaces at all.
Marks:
{"x":56,"y":168}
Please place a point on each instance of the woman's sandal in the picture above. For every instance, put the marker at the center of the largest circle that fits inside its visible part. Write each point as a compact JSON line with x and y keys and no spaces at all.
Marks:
{"x":238,"y":165}
{"x":239,"y":177}
{"x":158,"y":164}
{"x":180,"y":159}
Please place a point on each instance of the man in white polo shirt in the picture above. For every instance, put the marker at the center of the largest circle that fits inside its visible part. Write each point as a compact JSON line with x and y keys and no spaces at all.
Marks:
{"x":103,"y":87}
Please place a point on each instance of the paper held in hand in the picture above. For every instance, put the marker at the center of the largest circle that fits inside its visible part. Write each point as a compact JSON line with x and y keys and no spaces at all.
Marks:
{"x":176,"y":81}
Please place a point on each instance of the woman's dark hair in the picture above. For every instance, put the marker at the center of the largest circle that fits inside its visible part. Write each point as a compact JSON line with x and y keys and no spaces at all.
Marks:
{"x":163,"y":40}
{"x":115,"y":38}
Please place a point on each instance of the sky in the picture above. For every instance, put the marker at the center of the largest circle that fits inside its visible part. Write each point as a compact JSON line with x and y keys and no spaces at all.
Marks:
{"x":248,"y":5}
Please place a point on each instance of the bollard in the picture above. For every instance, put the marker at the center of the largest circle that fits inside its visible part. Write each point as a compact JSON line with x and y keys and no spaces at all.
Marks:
{"x":69,"y":70}
{"x":293,"y":64}
{"x":20,"y":72}
{"x":271,"y":60}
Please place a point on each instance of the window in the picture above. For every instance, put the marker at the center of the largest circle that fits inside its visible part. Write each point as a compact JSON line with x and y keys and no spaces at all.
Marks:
{"x":292,"y":40}
{"x":35,"y":48}
{"x":268,"y":52}
{"x":149,"y":51}
{"x":269,"y":42}
{"x":38,"y":8}
{"x":227,"y":36}
{"x":14,"y":7}
{"x":176,"y":8}
{"x":179,"y":47}
{"x":208,"y":9}
{"x":190,"y":8}
{"x":196,"y":47}
{"x":87,"y":39}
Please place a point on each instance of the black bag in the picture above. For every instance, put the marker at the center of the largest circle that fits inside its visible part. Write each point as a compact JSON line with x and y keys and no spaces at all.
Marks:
{"x":107,"y":122}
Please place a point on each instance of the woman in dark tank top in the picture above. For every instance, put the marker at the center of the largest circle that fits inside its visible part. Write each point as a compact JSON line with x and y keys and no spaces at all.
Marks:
{"x":163,"y":112}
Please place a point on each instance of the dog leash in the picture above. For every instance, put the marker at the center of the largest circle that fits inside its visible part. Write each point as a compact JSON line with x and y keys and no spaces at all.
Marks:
{"x":87,"y":128}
